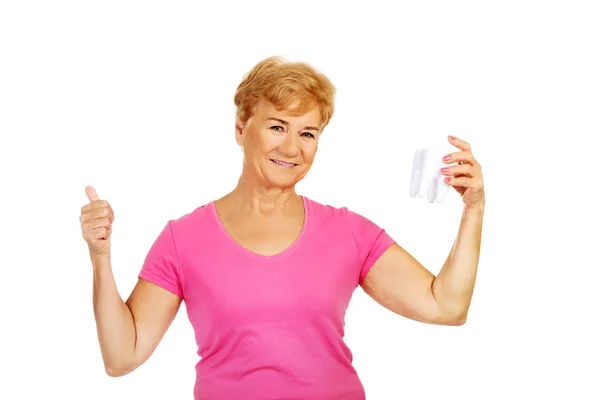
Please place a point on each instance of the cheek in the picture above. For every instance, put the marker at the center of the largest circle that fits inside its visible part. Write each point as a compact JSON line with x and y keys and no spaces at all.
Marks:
{"x":310,"y":150}
{"x":260,"y":145}
{"x":269,"y":142}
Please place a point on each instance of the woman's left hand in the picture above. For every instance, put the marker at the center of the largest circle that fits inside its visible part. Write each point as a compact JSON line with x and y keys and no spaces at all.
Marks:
{"x":466,"y":177}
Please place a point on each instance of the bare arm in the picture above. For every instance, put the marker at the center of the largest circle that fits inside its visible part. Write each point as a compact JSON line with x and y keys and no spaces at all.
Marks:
{"x":454,"y":285}
{"x":129,"y":332}
{"x":401,"y":284}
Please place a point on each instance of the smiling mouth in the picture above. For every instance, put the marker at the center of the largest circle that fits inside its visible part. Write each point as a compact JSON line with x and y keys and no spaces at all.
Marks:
{"x":283,"y":164}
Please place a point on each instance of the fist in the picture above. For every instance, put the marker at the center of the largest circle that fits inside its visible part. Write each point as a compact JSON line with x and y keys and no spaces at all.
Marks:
{"x":96,"y":223}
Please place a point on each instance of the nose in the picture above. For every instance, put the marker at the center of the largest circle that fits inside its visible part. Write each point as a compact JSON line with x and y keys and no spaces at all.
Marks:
{"x":290,"y":146}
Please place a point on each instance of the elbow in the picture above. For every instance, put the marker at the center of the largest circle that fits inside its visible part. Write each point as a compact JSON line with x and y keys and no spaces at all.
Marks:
{"x":454,"y":314}
{"x":112,"y":373}
{"x":117,"y":367}
{"x":446,"y":318}
{"x":457,"y":319}
{"x":115,"y":371}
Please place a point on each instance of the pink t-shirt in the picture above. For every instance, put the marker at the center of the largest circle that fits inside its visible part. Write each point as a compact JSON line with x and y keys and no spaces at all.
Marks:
{"x":269,"y":327}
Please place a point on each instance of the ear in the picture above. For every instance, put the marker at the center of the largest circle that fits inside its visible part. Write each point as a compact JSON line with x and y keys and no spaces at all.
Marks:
{"x":239,"y":132}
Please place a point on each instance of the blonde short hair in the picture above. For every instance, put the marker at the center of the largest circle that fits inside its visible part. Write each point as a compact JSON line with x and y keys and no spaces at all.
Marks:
{"x":282,"y":83}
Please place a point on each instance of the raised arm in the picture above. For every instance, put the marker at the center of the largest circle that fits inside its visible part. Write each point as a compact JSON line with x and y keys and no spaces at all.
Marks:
{"x":401,"y":284}
{"x":128,"y":332}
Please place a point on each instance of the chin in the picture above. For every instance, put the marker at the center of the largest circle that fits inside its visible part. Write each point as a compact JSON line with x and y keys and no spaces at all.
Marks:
{"x":281,"y":177}
{"x":281,"y":182}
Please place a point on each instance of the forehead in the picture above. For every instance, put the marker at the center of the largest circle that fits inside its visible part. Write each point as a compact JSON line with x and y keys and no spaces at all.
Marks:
{"x":308,"y":115}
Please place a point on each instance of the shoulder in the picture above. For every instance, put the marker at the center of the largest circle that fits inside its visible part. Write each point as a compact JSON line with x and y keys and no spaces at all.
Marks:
{"x":357,"y":222}
{"x":322,"y":210}
{"x":330,"y":210}
{"x":192,"y":219}
{"x":339,"y":215}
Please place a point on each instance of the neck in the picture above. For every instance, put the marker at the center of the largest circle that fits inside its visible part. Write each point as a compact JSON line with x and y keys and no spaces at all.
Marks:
{"x":252,"y":194}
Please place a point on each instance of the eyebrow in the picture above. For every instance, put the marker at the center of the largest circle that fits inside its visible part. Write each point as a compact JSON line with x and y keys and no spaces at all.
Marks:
{"x":286,"y":124}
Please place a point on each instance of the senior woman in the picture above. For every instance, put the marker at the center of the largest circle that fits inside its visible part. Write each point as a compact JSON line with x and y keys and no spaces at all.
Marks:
{"x":266,"y":273}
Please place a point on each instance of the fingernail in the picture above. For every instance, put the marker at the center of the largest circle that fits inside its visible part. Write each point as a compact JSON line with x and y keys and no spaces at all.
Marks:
{"x":444,"y":169}
{"x":451,"y":137}
{"x":447,"y":158}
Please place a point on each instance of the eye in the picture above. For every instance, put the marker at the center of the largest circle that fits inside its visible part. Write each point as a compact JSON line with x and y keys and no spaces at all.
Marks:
{"x":276,"y":126}
{"x":308,"y":133}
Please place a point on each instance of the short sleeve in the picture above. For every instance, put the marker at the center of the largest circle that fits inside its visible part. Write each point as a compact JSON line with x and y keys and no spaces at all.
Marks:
{"x":371,"y":242}
{"x":161,"y":265}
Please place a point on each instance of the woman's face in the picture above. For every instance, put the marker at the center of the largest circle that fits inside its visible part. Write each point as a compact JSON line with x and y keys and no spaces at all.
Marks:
{"x":279,"y":148}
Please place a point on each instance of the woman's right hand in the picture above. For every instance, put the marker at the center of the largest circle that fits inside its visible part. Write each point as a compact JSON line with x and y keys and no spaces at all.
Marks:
{"x":96,"y":223}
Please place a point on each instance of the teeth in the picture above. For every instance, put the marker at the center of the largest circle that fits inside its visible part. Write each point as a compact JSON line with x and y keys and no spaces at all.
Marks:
{"x":426,"y":178}
{"x":283,"y":164}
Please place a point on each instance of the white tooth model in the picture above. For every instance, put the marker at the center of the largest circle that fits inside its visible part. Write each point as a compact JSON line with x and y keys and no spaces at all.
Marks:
{"x":426,"y":179}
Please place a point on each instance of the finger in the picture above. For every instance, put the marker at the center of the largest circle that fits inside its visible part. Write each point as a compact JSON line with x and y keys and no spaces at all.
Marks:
{"x":100,"y":224}
{"x":94,"y":205}
{"x":460,"y":169}
{"x":458,"y":142}
{"x":460,"y":156}
{"x":97,"y":234}
{"x":462,"y":181}
{"x":96,"y":213}
{"x":91,"y":193}
{"x":475,"y":184}
{"x":103,"y":212}
{"x":101,"y":233}
{"x":103,"y":222}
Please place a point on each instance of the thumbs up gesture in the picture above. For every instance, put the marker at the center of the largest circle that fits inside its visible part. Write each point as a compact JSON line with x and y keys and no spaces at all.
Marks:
{"x":96,"y":223}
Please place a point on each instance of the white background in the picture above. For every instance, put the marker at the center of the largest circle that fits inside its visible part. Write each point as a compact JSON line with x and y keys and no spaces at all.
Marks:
{"x":136,"y":99}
